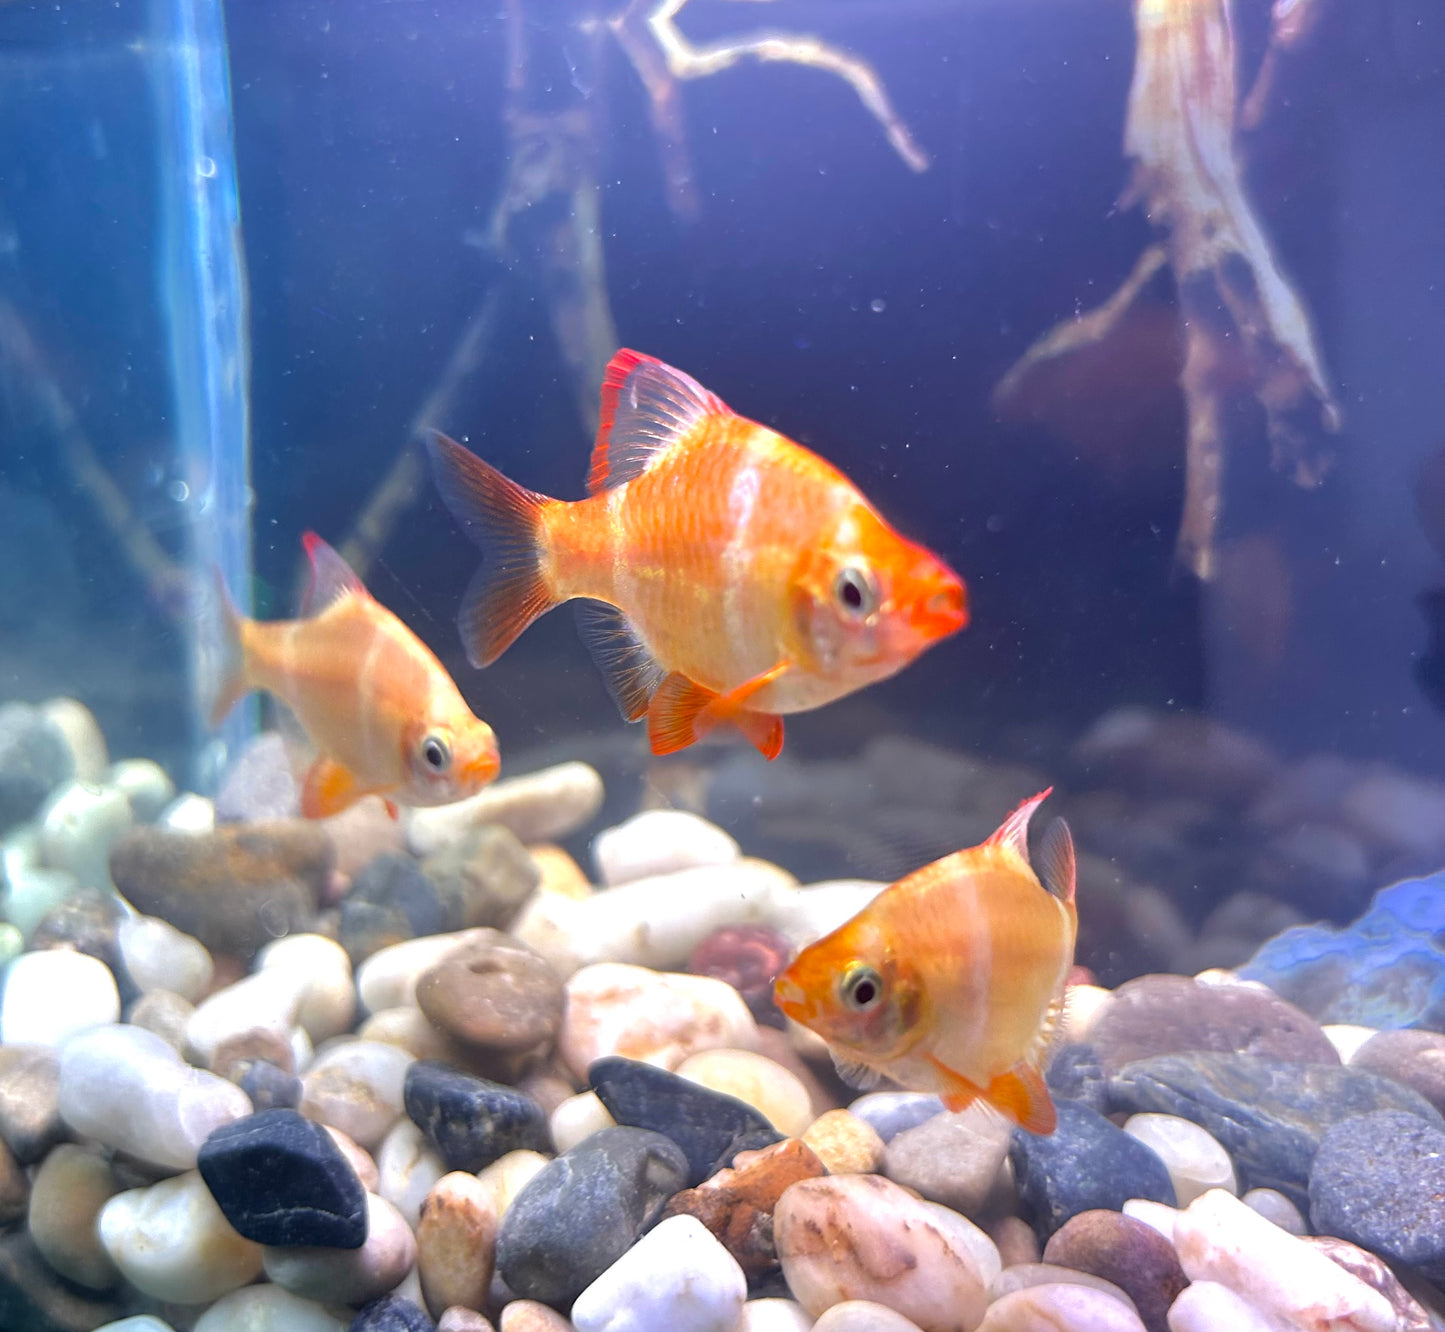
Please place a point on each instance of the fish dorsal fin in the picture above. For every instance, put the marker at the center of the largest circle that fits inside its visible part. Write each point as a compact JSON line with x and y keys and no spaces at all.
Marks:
{"x":631,"y":671}
{"x":858,"y":1075}
{"x":646,"y":407}
{"x":331,"y":577}
{"x":1058,"y":867}
{"x":1013,"y":832}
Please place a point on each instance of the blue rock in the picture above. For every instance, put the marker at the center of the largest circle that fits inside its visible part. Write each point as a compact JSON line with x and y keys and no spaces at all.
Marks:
{"x":472,"y":1121}
{"x":710,"y":1127}
{"x":392,"y":1313}
{"x":1086,"y":1163}
{"x":1270,"y":1115}
{"x":270,"y":1087}
{"x":1387,"y":970}
{"x":1076,"y":1073}
{"x":890,"y":1113}
{"x":1377,"y":1181}
{"x":279,"y":1179}
{"x":580,"y":1213}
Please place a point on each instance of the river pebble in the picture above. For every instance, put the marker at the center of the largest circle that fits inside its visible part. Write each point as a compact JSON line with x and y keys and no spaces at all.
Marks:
{"x":494,"y":993}
{"x":30,"y":1122}
{"x":71,"y":1187}
{"x":772,"y":1090}
{"x":844,"y":1143}
{"x":79,"y":825}
{"x":159,"y":957}
{"x":145,"y":784}
{"x":472,"y":1121}
{"x":484,"y":879}
{"x":1126,"y":1252}
{"x":53,"y":994}
{"x":1059,"y":1308}
{"x":578,"y":1117}
{"x":543,"y":806}
{"x":953,"y":1159}
{"x":267,"y":1309}
{"x":659,"y":841}
{"x":392,"y":1313}
{"x":407,"y":1167}
{"x":1194,"y":1159}
{"x":356,"y":1086}
{"x":457,"y":1243}
{"x":348,"y":1276}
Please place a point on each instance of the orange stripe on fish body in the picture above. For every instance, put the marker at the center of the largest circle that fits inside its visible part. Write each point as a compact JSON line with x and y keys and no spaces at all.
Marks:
{"x":731,"y":575}
{"x":951,"y":980}
{"x":383,"y":713}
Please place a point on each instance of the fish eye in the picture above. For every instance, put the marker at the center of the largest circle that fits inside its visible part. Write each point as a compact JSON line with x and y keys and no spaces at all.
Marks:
{"x":436,"y":753}
{"x":862,"y":988}
{"x":855,"y":591}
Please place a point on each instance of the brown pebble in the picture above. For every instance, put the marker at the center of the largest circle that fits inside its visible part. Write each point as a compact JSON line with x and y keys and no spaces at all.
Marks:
{"x":14,"y":1187}
{"x":493,"y":992}
{"x":234,"y":1055}
{"x":1135,"y":1257}
{"x":737,"y":1204}
{"x":37,"y":1298}
{"x":1415,"y":1058}
{"x":456,"y":1243}
{"x":1374,"y":1271}
{"x":458,"y":1319}
{"x":1015,"y":1240}
{"x":164,"y":1013}
{"x":529,"y":1316}
{"x":30,"y":1120}
{"x":71,"y":1186}
{"x":548,"y":1086}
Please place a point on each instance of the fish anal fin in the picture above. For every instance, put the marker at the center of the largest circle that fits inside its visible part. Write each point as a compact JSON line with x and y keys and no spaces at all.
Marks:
{"x":504,"y":519}
{"x":331,"y":577}
{"x":683,"y":712}
{"x":631,"y":672}
{"x":1013,"y":832}
{"x":1022,"y":1094}
{"x":1057,"y":864}
{"x":764,"y":731}
{"x":329,"y":788}
{"x":858,"y":1075}
{"x":646,"y":407}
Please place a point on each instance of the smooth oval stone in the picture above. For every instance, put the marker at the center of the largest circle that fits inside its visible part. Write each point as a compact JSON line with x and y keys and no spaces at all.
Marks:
{"x":1292,"y":1284}
{"x":79,"y":824}
{"x":1416,"y":1058}
{"x":862,"y":1237}
{"x":145,"y":784}
{"x":577,"y":1118}
{"x":457,"y":1242}
{"x":953,"y":1159}
{"x":844,"y":1143}
{"x":267,"y":1309}
{"x":889,"y":1113}
{"x":1274,"y":1206}
{"x":170,"y":1108}
{"x":1195,"y":1160}
{"x":1269,"y":1115}
{"x":583,"y":1211}
{"x":1208,"y":1306}
{"x":509,"y":1175}
{"x":494,"y":993}
{"x":159,"y":957}
{"x":530,"y":1316}
{"x":328,"y":992}
{"x":1378,"y":1181}
{"x":282,"y":1180}
{"x":71,"y":1187}
{"x":457,"y":1319}
{"x":677,"y":1277}
{"x":83,"y":735}
{"x":709,"y":1127}
{"x":265,"y":1002}
{"x":1025,"y":1276}
{"x":657,"y":1017}
{"x":1126,"y":1252}
{"x":392,"y":1313}
{"x":52,"y":994}
{"x":772,"y":1090}
{"x":30,"y":1120}
{"x":348,"y":1276}
{"x":861,"y":1316}
{"x":659,"y":841}
{"x":356,"y":1086}
{"x":1050,"y":1307}
{"x":171,"y":1242}
{"x":543,"y":806}
{"x":137,"y":1323}
{"x":471,"y":1121}
{"x":1085,"y":1163}
{"x":407,"y":1167}
{"x":388,"y":978}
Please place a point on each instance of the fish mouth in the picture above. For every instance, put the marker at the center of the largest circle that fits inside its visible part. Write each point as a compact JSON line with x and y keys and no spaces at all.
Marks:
{"x":944,"y":611}
{"x":483,"y":768}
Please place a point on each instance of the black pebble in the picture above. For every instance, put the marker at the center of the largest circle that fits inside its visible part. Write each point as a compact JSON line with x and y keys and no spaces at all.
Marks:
{"x":471,"y":1121}
{"x":390,"y":900}
{"x":711,"y":1128}
{"x":270,"y":1087}
{"x":580,"y":1213}
{"x":1085,"y":1163}
{"x":282,"y":1180}
{"x":392,"y":1313}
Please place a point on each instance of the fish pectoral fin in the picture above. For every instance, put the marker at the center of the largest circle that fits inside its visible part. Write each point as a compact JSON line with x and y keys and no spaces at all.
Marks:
{"x":957,"y":1092}
{"x":329,"y":788}
{"x":858,"y":1075}
{"x":683,"y":711}
{"x":1022,"y":1094}
{"x":392,"y":809}
{"x":646,"y":408}
{"x":331,"y":577}
{"x":630,"y":670}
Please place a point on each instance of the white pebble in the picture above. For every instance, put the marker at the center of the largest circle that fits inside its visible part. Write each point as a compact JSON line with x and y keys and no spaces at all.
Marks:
{"x":387,"y":979}
{"x":262,"y":1001}
{"x":32,"y":892}
{"x":1206,"y":1306}
{"x":863,"y":1316}
{"x":774,"y":1315}
{"x":1274,"y":1206}
{"x":328,"y":995}
{"x":775,"y":1092}
{"x":171,"y":1242}
{"x":541,"y":806}
{"x":52,"y":994}
{"x":348,"y":1276}
{"x":406,"y":1168}
{"x":676,"y":1278}
{"x":83,"y":734}
{"x":79,"y":824}
{"x":1347,"y":1038}
{"x":660,"y":841}
{"x":1219,"y":1239}
{"x":267,"y":1309}
{"x":1156,"y":1215}
{"x":170,"y":1108}
{"x":809,"y":913}
{"x":160,"y":957}
{"x":1059,"y":1307}
{"x":356,"y":1087}
{"x":145,"y":784}
{"x":654,"y":922}
{"x":189,"y":813}
{"x":578,"y":1118}
{"x":508,"y":1175}
{"x":137,"y":1323}
{"x":1192,"y":1156}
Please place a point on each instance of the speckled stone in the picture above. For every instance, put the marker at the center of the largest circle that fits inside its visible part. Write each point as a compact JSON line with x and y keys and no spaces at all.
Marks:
{"x":1155,"y":1015}
{"x":1269,"y":1115}
{"x":1086,"y":1163}
{"x":235,"y":888}
{"x":457,"y":1243}
{"x":1374,"y":1271}
{"x":711,"y":1128}
{"x":471,"y":1121}
{"x":953,"y":1159}
{"x":493,"y":992}
{"x":1415,"y":1058}
{"x":356,"y":1086}
{"x":845,"y":1144}
{"x":1133,"y":1256}
{"x":584,"y":1210}
{"x":1076,"y":1073}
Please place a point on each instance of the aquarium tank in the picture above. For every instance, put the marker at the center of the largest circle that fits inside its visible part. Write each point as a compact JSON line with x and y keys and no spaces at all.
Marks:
{"x":686,"y":666}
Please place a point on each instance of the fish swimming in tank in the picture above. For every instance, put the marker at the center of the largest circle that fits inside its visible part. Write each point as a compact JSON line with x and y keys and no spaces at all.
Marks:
{"x":730,"y":575}
{"x":379,"y":707}
{"x":952,"y":979}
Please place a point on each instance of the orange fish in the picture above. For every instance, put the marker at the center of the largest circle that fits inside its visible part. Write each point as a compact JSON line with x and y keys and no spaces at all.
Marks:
{"x":951,"y":980}
{"x":731,"y":575}
{"x":381,"y":709}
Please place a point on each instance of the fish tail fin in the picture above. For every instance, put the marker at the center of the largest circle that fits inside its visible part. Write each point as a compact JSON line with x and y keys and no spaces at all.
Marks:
{"x":510,"y":590}
{"x":1023,"y":1094}
{"x":228,"y":674}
